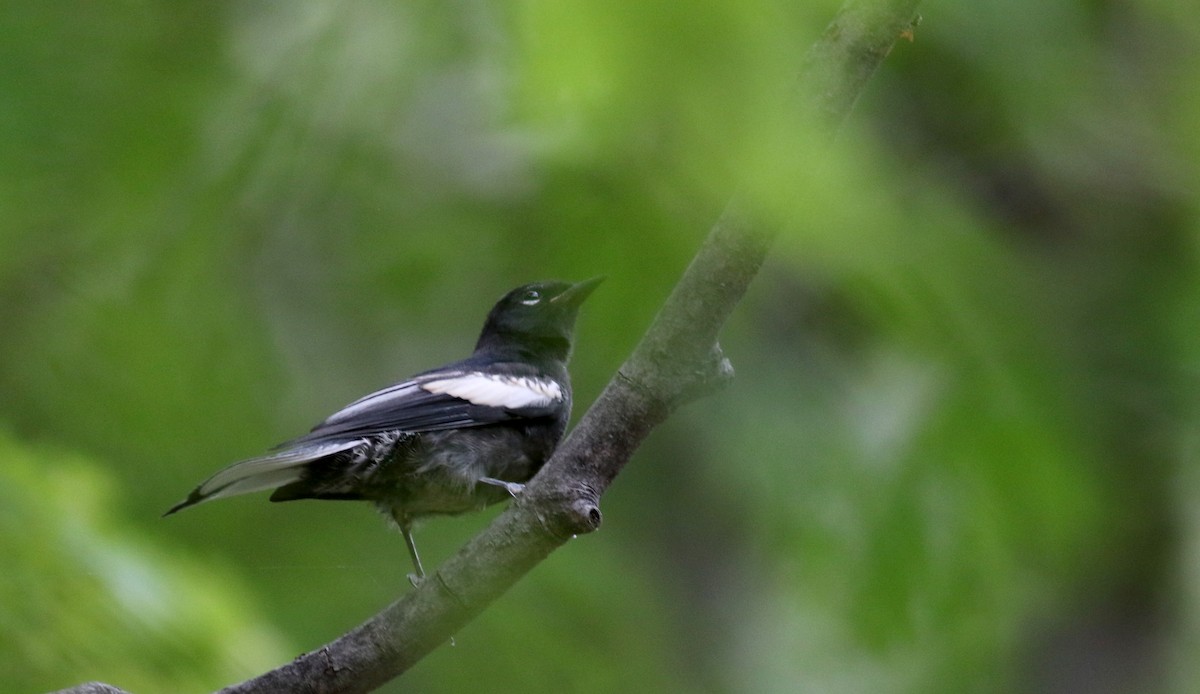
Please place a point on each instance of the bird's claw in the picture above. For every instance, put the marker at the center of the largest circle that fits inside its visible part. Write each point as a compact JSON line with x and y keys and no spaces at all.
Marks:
{"x":514,"y":489}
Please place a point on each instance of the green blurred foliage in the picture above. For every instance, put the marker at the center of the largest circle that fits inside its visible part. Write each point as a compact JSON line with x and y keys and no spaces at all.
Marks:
{"x":87,"y":598}
{"x":959,"y":455}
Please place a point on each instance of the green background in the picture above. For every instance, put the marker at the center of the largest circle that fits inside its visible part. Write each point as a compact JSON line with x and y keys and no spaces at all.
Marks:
{"x":961,"y":451}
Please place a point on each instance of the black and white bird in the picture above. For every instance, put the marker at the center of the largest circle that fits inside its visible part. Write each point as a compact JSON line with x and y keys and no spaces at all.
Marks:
{"x":446,"y":441}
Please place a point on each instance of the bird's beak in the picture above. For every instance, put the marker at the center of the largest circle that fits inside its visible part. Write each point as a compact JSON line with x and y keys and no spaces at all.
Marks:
{"x":576,"y":293}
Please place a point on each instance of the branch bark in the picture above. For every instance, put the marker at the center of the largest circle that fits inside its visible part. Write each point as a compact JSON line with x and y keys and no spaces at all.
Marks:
{"x":677,"y":360}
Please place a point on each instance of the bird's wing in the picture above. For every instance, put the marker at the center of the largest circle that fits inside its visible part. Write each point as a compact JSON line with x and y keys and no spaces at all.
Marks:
{"x":451,"y":398}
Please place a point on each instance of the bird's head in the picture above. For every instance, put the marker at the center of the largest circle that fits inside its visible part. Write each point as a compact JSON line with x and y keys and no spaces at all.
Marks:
{"x":536,"y":319}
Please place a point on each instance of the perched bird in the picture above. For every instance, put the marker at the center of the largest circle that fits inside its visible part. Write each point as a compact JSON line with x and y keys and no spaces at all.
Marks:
{"x":445,"y":441}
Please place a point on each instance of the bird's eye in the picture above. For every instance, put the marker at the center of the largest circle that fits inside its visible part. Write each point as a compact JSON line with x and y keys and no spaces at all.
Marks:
{"x":531,"y":297}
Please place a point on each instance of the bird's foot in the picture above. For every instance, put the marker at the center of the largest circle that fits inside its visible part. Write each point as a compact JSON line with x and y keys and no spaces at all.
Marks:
{"x":416,"y":579}
{"x":514,"y":489}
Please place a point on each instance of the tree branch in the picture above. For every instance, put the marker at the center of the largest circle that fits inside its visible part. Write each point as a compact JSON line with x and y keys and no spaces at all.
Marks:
{"x":677,"y":360}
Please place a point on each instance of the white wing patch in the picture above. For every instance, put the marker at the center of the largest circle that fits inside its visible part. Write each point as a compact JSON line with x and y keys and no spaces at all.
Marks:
{"x":492,"y":390}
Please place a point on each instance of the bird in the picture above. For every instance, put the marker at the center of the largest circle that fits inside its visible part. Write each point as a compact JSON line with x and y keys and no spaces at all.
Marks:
{"x":446,"y":441}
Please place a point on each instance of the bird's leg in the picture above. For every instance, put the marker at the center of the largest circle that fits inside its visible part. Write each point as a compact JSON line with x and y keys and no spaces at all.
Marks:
{"x":405,"y":524}
{"x":513,"y":488}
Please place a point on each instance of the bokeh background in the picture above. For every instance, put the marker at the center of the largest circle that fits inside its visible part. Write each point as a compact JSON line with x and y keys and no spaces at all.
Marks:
{"x":961,"y":451}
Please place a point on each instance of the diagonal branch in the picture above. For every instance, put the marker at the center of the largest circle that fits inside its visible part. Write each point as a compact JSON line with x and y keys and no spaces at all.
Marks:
{"x":677,"y":360}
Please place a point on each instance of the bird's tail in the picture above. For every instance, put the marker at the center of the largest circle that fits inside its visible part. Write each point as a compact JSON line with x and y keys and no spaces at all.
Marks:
{"x":257,"y":474}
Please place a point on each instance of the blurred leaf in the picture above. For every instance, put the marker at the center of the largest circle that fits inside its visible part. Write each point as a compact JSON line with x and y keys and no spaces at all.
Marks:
{"x":86,"y":598}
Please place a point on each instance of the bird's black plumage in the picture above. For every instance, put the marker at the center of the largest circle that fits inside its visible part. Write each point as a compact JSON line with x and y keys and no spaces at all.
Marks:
{"x":446,"y":441}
